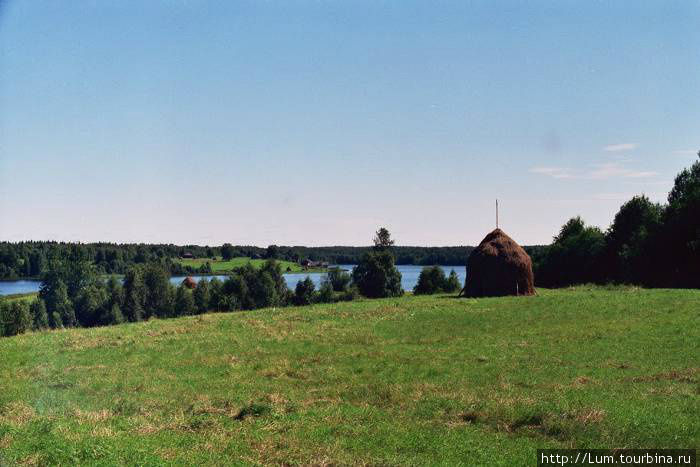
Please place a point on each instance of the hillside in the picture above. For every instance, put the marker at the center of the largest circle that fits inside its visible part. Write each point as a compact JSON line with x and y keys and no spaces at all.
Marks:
{"x":415,"y":380}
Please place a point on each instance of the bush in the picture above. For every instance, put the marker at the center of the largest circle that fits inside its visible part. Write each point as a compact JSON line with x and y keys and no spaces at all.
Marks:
{"x":56,"y":322}
{"x":90,"y":305}
{"x":352,"y":293}
{"x":304,"y":292}
{"x":40,"y":318}
{"x":376,"y":276}
{"x":184,"y":302}
{"x":234,"y":294}
{"x":113,"y":315}
{"x":453,"y":283}
{"x":15,"y":318}
{"x":216,"y":294}
{"x":339,"y":279}
{"x":433,"y":280}
{"x":575,"y":257}
{"x":325,"y":292}
{"x":201,"y":296}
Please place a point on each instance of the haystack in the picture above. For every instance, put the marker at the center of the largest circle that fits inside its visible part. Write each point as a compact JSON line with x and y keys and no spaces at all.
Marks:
{"x":497,"y":267}
{"x":189,"y":283}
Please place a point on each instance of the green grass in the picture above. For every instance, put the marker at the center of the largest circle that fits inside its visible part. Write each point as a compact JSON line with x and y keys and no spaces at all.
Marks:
{"x":220,"y":265}
{"x":414,"y":380}
{"x":28,"y":297}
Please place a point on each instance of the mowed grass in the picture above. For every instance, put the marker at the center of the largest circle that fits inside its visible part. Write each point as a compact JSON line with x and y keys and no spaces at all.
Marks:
{"x":221,"y":265}
{"x":408,"y":381}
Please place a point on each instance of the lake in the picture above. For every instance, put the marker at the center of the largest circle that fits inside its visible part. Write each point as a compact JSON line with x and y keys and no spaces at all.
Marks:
{"x":409,"y":278}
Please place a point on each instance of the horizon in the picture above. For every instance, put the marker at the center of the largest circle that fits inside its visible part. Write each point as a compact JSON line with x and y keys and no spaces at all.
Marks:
{"x":313,"y":124}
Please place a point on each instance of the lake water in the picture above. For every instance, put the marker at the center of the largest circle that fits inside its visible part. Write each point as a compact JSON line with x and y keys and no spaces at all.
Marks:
{"x":409,"y":278}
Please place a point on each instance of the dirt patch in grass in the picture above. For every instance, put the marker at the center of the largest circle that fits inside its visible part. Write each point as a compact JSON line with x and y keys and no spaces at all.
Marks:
{"x":253,"y":410}
{"x":17,"y":413}
{"x":92,"y":416}
{"x":684,"y":376}
{"x":587,"y":417}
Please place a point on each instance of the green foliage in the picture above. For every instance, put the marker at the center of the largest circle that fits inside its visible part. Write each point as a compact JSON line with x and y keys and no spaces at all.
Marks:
{"x":382,"y":240}
{"x":339,"y":279}
{"x":227,"y":251}
{"x":376,"y":276}
{"x":40,"y":318}
{"x":272,"y":252}
{"x":325,"y":292}
{"x":679,"y":249}
{"x":574,"y":257}
{"x":630,"y":240}
{"x":134,"y":294}
{"x":114,"y":315}
{"x":91,"y":304}
{"x":15,"y":317}
{"x":184,"y":301}
{"x":433,"y":280}
{"x":158,"y":298}
{"x":201,"y":296}
{"x":453,"y":284}
{"x":304,"y":292}
{"x":216,"y":294}
{"x":55,"y":320}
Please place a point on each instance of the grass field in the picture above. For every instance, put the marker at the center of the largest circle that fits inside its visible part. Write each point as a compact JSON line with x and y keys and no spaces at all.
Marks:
{"x":414,"y":380}
{"x":220,"y":266}
{"x":30,"y":296}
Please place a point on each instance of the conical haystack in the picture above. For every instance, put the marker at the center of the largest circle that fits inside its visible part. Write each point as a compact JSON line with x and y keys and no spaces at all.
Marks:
{"x":189,"y":283}
{"x":497,"y":267}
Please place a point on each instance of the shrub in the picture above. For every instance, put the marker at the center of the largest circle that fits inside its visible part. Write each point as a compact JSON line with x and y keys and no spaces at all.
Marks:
{"x":376,"y":276}
{"x":113,"y":315}
{"x":352,"y":293}
{"x":339,"y":279}
{"x":40,"y":318}
{"x":56,"y":322}
{"x":304,"y":292}
{"x":431,"y":280}
{"x":201,"y":296}
{"x":15,"y":318}
{"x":325,"y":292}
{"x":453,"y":284}
{"x":184,"y":302}
{"x":90,"y":305}
{"x":234,"y":294}
{"x":215,"y":294}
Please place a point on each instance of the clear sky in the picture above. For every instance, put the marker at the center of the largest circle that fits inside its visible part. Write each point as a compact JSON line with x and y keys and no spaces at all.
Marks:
{"x":315,"y":122}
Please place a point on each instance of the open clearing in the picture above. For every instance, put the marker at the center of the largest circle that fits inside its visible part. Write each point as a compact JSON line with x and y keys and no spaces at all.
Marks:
{"x":414,"y":380}
{"x":220,"y":265}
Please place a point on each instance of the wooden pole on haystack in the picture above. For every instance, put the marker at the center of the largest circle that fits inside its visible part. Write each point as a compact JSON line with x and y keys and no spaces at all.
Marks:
{"x":496,"y":212}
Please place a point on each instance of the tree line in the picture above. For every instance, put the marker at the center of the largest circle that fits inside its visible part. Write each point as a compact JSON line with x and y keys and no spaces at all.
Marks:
{"x":74,"y":294}
{"x":648,"y":243}
{"x":20,"y":260}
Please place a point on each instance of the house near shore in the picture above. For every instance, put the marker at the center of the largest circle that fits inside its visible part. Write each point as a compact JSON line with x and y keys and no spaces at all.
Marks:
{"x":187,"y":255}
{"x":308,"y":264}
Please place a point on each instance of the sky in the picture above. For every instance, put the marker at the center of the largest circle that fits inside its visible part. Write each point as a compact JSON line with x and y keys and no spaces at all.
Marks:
{"x":316,"y":122}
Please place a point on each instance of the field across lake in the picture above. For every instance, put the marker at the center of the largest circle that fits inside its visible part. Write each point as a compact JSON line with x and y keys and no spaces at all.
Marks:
{"x":413,"y":380}
{"x":220,"y":265}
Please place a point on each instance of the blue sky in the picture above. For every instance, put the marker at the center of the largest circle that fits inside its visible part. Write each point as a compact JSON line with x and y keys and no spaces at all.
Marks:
{"x":315,"y":122}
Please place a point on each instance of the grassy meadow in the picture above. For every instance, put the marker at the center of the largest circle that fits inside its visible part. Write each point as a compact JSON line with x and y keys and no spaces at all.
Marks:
{"x":28,"y":297}
{"x":219,"y":265}
{"x":412,"y":381}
